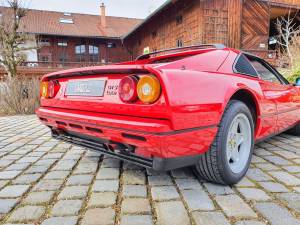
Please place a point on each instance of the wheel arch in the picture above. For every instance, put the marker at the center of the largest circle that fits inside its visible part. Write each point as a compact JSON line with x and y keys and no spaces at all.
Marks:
{"x":248,"y":97}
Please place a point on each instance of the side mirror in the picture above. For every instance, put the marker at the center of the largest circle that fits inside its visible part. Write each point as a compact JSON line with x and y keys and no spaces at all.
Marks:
{"x":297,"y":83}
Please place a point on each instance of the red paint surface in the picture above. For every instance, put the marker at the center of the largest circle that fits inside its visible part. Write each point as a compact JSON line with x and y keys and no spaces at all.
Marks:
{"x":195,"y":92}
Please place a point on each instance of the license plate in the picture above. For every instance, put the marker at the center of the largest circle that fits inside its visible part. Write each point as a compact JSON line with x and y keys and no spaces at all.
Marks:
{"x":92,"y":88}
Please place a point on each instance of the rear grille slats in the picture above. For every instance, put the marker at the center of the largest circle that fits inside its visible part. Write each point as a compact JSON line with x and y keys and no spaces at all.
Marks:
{"x":101,"y":147}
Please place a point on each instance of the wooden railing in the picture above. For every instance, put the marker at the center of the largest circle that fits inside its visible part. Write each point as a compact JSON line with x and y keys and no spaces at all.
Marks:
{"x":55,"y":64}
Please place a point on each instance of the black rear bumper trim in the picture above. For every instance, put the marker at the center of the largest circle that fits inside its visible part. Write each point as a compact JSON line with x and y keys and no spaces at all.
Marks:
{"x":100,"y":145}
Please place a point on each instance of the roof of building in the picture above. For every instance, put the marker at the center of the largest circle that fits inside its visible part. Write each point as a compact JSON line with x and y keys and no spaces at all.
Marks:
{"x":74,"y":24}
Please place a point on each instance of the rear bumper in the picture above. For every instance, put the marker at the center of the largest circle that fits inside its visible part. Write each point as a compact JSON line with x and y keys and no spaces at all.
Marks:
{"x":124,"y":153}
{"x":151,"y":138}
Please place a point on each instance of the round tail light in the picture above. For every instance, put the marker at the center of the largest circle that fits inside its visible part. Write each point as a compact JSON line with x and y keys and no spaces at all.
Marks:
{"x":148,"y":89}
{"x":127,"y":89}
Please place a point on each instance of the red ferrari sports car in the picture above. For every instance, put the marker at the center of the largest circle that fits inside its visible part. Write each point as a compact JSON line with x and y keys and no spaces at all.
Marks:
{"x":203,"y":106}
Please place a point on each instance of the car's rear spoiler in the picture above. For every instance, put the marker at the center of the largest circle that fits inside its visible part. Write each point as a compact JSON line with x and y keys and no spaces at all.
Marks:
{"x":111,"y":69}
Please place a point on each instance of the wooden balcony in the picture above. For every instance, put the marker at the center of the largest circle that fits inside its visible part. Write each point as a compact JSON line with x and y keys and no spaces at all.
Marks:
{"x":41,"y":68}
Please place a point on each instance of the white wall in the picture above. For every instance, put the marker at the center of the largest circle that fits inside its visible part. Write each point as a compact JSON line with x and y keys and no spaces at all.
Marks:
{"x":31,"y":55}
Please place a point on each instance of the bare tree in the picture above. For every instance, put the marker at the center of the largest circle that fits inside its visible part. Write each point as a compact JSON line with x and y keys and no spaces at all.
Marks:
{"x":12,"y":39}
{"x":288,"y":30}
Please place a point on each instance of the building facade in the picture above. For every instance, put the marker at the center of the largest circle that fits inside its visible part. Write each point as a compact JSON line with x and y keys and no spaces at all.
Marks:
{"x":73,"y":39}
{"x":242,"y":24}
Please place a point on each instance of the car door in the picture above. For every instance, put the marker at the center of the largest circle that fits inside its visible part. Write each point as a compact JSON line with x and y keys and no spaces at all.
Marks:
{"x":276,"y":89}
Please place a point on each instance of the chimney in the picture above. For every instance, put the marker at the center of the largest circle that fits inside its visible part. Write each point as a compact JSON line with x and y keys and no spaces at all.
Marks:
{"x":102,"y":13}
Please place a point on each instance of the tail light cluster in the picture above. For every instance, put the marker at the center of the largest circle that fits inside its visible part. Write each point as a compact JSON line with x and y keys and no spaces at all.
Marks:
{"x":145,"y":88}
{"x":49,"y":88}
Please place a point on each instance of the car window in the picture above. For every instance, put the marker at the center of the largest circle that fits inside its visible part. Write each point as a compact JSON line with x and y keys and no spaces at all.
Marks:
{"x":264,"y":72}
{"x":243,"y":66}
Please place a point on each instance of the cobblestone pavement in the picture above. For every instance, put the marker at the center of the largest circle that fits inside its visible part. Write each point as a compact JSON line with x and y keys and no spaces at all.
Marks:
{"x":44,"y":181}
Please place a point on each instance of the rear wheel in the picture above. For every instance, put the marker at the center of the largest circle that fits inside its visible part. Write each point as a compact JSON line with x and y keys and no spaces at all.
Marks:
{"x":228,"y":158}
{"x":295,"y":130}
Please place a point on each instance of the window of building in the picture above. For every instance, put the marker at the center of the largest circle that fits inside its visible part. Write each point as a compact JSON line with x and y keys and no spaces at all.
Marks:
{"x":62,"y":43}
{"x":178,"y":19}
{"x":66,"y":20}
{"x":67,"y":14}
{"x":80,"y":51}
{"x":179,"y":43}
{"x":111,"y":45}
{"x":45,"y":58}
{"x":44,"y":42}
{"x":93,"y":53}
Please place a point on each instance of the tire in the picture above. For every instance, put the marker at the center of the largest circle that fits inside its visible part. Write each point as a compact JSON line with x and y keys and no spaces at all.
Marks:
{"x":214,"y":165}
{"x":295,"y":130}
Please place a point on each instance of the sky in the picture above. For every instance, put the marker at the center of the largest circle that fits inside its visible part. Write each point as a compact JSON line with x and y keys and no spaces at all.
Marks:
{"x":124,"y":8}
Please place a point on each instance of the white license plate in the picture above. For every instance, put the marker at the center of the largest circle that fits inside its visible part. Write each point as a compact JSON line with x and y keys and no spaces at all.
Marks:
{"x":91,"y":88}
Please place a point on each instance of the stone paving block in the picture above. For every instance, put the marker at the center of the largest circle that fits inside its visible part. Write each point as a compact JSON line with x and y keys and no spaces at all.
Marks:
{"x":276,"y":214}
{"x":286,"y":178}
{"x":210,"y":218}
{"x":160,"y":180}
{"x":166,"y":213}
{"x":13,"y":191}
{"x":37,"y":169}
{"x":250,"y":222}
{"x":27,"y":213}
{"x":273,"y":187}
{"x":48,"y":185}
{"x":106,"y":186}
{"x":136,"y":219}
{"x":8,"y":175}
{"x":73,"y":192}
{"x":17,"y":166}
{"x":39,"y":197}
{"x":245,"y":182}
{"x":86,"y":168}
{"x":110,"y":163}
{"x":288,"y":155}
{"x":80,"y":180}
{"x":267,"y":166}
{"x":45,"y":162}
{"x":72,"y":220}
{"x":164,"y":193}
{"x":6,"y":205}
{"x":65,"y":165}
{"x":188,"y":184}
{"x":258,"y":175}
{"x":278,"y":160}
{"x":135,"y":191}
{"x":108,"y":174}
{"x":134,"y":177}
{"x":292,"y":199}
{"x":257,"y":159}
{"x":27,"y":178}
{"x":292,"y":169}
{"x":254,"y":194}
{"x":56,"y":175}
{"x":99,"y":216}
{"x":136,"y":206}
{"x":234,"y":206}
{"x":183,"y":173}
{"x":102,"y":199}
{"x":66,"y":207}
{"x":197,"y":200}
{"x":27,"y":160}
{"x":216,"y":189}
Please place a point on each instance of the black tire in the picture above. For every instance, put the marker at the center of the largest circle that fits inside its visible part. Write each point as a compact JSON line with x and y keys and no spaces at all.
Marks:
{"x":213,"y":165}
{"x":295,"y":130}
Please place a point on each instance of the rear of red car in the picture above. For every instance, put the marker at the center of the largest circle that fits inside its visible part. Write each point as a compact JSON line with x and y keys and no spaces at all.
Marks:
{"x":123,"y":111}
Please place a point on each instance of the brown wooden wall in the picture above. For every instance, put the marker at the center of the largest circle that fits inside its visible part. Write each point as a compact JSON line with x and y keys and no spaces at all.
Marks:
{"x":235,"y":8}
{"x":288,"y":2}
{"x":255,"y":25}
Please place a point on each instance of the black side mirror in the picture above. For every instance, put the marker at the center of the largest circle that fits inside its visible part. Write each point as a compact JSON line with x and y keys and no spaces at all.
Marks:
{"x":297,"y":83}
